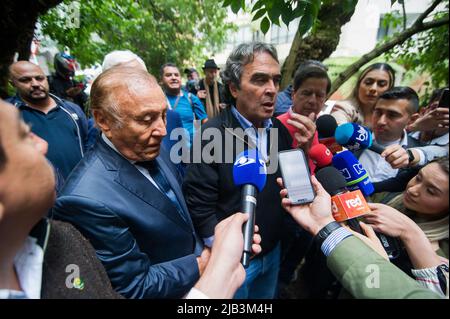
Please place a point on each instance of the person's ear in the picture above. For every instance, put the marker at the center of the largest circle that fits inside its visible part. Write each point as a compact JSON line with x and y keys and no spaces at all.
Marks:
{"x":233,"y":90}
{"x":103,"y":122}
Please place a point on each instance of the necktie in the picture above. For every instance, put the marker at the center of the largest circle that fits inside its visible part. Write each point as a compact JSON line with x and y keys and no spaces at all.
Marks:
{"x":160,"y":180}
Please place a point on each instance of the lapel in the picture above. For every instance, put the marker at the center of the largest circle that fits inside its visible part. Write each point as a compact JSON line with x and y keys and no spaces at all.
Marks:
{"x":131,"y":179}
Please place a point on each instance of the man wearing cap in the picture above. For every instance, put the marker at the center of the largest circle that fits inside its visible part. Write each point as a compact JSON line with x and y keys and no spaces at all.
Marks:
{"x":210,"y":90}
{"x":192,"y":80}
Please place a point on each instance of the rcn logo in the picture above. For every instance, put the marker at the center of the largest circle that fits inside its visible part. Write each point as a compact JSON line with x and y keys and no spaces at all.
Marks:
{"x":353,"y":202}
{"x":359,"y":169}
{"x":363,"y":135}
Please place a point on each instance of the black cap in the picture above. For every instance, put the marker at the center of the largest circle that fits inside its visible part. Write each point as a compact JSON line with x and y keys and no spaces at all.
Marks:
{"x":332,"y":180}
{"x":189,"y":71}
{"x":326,"y":126}
{"x":210,"y":64}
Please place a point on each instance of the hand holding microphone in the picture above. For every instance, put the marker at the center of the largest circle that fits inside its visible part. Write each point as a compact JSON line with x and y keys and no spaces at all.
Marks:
{"x":249,"y":171}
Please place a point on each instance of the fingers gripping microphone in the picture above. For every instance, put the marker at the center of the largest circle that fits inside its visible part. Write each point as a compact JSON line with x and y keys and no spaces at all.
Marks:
{"x":355,"y":175}
{"x":249,"y":171}
{"x":355,"y":137}
{"x":346,"y":206}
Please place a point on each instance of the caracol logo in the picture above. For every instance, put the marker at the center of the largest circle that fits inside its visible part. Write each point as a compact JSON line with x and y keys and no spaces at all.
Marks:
{"x":345,"y":173}
{"x":353,"y":203}
{"x":243,"y":161}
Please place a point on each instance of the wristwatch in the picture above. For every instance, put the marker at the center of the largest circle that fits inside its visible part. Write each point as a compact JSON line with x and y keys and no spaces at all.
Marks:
{"x":325,"y":232}
{"x":411,"y":157}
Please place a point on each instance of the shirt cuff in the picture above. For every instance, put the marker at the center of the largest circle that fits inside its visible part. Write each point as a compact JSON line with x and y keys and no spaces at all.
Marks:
{"x":334,"y":239}
{"x":422,"y":157}
{"x":194,"y":293}
{"x":209,"y":241}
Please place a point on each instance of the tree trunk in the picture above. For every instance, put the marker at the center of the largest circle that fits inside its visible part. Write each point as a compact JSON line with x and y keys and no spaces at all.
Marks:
{"x":17,"y":22}
{"x":417,"y":27}
{"x":322,"y":42}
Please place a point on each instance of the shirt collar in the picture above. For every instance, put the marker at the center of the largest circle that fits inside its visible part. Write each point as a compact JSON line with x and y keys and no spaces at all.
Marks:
{"x":403,"y":141}
{"x":28,"y":263}
{"x":110,"y":144}
{"x":267,"y":124}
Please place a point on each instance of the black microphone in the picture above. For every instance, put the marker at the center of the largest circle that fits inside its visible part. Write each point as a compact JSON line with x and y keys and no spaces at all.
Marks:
{"x":326,"y":127}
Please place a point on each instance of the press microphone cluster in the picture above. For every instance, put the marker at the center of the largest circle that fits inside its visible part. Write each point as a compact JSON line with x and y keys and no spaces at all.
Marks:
{"x":347,"y":206}
{"x":249,"y":171}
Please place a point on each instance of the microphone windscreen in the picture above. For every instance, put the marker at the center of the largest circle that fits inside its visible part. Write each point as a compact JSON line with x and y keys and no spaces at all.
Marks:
{"x":353,"y":172}
{"x":320,"y":155}
{"x":353,"y":136}
{"x":250,"y":168}
{"x":326,"y":126}
{"x":332,"y":180}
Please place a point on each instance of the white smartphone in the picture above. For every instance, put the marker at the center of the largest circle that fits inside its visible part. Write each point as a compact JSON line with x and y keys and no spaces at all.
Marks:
{"x":296,"y":176}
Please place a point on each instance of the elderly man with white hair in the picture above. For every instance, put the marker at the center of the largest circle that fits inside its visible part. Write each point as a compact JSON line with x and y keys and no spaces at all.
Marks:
{"x":126,"y":58}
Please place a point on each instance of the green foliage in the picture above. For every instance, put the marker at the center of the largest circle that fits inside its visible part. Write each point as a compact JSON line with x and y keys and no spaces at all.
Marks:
{"x":271,"y":11}
{"x":159,"y":31}
{"x":426,"y":53}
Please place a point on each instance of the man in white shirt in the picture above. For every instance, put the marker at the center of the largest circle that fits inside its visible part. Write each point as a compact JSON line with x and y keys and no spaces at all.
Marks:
{"x":391,"y":115}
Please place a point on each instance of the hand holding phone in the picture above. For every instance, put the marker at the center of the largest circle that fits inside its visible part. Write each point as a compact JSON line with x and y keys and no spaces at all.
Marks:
{"x":296,"y":176}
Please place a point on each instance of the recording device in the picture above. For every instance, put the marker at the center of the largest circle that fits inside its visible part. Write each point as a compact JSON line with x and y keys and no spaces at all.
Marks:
{"x":355,"y":137}
{"x":345,"y":205}
{"x":320,"y":155}
{"x":249,"y":171}
{"x":444,"y":100}
{"x":326,"y":127}
{"x":355,"y":175}
{"x":348,"y":206}
{"x":296,"y":176}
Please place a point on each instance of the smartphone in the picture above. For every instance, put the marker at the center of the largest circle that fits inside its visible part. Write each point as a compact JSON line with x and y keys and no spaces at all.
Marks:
{"x":443,"y":101}
{"x":296,"y":176}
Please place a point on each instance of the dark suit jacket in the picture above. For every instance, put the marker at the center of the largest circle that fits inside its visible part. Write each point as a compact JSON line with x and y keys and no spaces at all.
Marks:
{"x":148,"y":248}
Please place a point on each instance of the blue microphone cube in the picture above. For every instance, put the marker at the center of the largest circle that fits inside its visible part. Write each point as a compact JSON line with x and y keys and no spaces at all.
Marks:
{"x":353,"y":172}
{"x":250,"y":169}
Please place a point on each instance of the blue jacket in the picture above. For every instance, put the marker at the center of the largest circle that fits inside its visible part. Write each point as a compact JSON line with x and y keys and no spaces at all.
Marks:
{"x":148,"y":249}
{"x":72,"y":110}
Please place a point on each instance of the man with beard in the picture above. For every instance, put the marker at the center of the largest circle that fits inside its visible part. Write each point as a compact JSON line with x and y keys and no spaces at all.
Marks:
{"x":61,"y":123}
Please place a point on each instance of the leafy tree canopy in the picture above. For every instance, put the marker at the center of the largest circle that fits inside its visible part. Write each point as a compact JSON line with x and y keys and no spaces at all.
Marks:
{"x":159,"y":31}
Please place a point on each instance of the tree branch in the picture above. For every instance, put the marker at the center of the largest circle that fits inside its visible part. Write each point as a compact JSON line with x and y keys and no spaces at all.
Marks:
{"x":377,"y":51}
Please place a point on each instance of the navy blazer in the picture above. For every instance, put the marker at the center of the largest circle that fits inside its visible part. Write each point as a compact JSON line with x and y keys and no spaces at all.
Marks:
{"x":148,"y":248}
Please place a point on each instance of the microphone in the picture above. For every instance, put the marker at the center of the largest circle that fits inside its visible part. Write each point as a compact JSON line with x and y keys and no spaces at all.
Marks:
{"x":249,"y":171}
{"x":355,"y":137}
{"x":354,"y":173}
{"x":320,"y":155}
{"x":346,"y":205}
{"x":326,"y":127}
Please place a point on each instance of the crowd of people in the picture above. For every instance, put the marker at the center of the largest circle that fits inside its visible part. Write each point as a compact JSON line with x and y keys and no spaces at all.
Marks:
{"x":91,"y":184}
